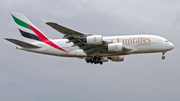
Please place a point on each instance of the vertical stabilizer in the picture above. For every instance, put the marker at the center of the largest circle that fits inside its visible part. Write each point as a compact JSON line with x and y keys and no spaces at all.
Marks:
{"x":30,"y":32}
{"x":27,"y":29}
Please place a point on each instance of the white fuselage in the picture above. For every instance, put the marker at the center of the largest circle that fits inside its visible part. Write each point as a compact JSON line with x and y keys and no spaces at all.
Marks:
{"x":137,"y":44}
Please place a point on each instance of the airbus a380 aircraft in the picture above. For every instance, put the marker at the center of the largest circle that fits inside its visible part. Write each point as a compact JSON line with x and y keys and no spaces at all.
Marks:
{"x":94,"y":48}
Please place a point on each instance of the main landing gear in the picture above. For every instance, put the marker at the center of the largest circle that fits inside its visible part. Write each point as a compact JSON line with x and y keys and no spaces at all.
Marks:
{"x":163,"y":57}
{"x":94,"y":60}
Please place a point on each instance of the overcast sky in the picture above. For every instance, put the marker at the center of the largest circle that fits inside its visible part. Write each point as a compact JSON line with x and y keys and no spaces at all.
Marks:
{"x":26,"y":76}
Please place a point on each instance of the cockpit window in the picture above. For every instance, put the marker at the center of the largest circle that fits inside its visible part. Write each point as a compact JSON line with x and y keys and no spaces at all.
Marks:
{"x":167,"y":41}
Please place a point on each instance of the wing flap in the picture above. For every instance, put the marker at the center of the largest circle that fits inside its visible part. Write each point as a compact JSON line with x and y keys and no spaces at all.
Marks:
{"x":21,"y":43}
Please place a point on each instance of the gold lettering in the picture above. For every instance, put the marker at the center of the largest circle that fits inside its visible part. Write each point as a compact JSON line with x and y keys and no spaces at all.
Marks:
{"x":133,"y":40}
{"x":137,"y":41}
{"x":141,"y":40}
{"x":146,"y":40}
{"x":130,"y":40}
{"x":126,"y":41}
{"x":119,"y":40}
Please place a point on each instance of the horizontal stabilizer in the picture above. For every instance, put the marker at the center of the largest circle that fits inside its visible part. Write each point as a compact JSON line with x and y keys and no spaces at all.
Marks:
{"x":21,"y":43}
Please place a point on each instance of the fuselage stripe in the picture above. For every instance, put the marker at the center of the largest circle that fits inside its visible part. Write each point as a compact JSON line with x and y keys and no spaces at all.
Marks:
{"x":45,"y":39}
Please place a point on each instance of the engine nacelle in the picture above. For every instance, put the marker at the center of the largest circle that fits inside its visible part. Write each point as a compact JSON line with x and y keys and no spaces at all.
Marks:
{"x":117,"y":58}
{"x":94,"y":40}
{"x":115,"y":47}
{"x":104,"y":59}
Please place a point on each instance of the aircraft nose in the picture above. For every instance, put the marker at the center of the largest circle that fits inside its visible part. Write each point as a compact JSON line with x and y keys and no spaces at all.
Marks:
{"x":171,"y":45}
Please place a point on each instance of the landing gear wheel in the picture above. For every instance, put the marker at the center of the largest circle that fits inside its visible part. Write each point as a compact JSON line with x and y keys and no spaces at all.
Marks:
{"x":95,"y":60}
{"x":163,"y":57}
{"x":101,"y":63}
{"x":87,"y":60}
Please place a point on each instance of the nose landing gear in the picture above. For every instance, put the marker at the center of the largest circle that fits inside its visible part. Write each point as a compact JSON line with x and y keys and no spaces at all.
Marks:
{"x":163,"y":57}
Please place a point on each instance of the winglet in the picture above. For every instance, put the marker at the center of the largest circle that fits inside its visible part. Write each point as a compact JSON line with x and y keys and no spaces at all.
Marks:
{"x":43,"y":22}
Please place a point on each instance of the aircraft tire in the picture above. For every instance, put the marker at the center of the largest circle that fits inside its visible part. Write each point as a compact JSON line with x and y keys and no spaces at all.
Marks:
{"x":163,"y":57}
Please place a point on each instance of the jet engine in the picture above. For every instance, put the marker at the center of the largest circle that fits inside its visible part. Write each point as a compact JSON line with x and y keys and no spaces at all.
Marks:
{"x":117,"y":58}
{"x":115,"y":47}
{"x":94,"y":40}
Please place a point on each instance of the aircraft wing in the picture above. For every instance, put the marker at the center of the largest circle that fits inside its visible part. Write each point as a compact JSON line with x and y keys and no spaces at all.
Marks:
{"x":78,"y":39}
{"x":63,"y":29}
